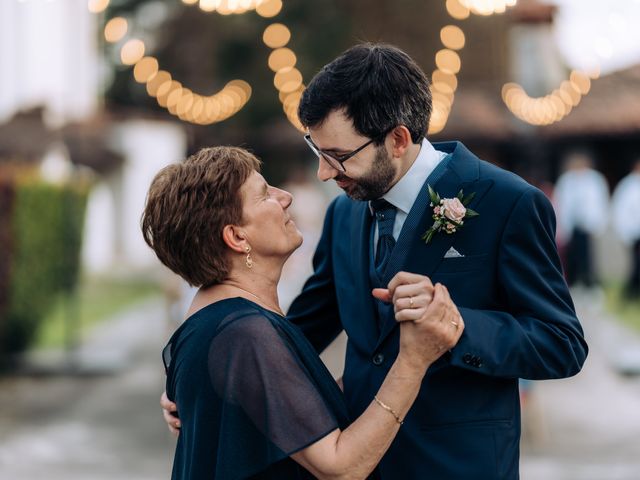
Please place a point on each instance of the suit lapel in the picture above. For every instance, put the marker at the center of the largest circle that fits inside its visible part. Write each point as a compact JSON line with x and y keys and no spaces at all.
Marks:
{"x":457,"y":171}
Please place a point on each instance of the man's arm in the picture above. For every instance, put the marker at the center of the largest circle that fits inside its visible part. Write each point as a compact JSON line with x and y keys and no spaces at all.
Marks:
{"x":315,"y":310}
{"x":538,"y":335}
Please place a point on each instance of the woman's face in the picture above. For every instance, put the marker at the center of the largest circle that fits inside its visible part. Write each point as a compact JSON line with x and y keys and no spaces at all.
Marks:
{"x":270,"y":230}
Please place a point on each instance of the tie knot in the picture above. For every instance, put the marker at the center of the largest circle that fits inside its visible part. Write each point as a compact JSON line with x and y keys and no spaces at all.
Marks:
{"x":381,"y":206}
{"x":385,"y":214}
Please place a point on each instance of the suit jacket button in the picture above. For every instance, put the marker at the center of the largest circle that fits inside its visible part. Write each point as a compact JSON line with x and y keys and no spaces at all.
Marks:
{"x":466,"y":358}
{"x":378,"y":358}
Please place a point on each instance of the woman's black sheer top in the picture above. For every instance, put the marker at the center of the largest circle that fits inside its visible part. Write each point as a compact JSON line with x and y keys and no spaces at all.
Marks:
{"x":250,"y":390}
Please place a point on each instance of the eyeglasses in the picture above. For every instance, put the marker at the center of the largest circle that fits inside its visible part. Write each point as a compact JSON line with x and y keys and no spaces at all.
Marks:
{"x":336,"y":161}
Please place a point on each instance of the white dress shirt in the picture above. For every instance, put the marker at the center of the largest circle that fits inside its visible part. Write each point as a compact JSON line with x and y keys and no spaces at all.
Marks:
{"x":626,"y":202}
{"x":404,"y":193}
{"x":581,"y":199}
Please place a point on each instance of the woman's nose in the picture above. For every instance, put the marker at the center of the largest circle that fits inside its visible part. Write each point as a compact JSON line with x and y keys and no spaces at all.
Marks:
{"x":285,"y":198}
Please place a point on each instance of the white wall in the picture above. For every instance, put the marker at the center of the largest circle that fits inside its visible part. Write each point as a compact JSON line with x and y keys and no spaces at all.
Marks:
{"x":48,"y":56}
{"x":112,"y":235}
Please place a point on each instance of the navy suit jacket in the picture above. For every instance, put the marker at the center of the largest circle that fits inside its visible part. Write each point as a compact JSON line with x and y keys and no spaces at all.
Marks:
{"x":519,"y":318}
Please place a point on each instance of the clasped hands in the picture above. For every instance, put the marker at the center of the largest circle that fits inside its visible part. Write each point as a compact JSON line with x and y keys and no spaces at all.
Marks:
{"x":430,"y":323}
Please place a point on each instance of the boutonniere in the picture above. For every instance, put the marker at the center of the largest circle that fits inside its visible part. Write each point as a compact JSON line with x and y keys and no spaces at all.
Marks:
{"x":449,"y":214}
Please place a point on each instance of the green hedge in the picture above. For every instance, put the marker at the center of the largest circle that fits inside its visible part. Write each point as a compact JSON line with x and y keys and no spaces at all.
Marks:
{"x":43,"y":241}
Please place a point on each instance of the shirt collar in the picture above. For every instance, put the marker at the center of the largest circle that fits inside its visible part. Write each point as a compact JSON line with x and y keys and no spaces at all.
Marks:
{"x":404,"y":193}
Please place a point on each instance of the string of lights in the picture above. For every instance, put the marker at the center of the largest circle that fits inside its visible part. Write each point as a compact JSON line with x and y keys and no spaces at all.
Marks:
{"x":200,"y":109}
{"x":543,"y":110}
{"x":191,"y":106}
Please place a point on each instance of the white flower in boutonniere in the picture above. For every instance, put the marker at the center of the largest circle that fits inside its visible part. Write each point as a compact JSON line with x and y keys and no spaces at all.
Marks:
{"x":449,"y":214}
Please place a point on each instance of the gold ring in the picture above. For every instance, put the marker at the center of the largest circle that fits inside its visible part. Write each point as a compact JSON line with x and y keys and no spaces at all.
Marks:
{"x":455,"y":324}
{"x":410,"y":302}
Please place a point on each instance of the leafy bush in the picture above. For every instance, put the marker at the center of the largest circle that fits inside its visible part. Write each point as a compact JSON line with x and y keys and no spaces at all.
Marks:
{"x":45,"y":231}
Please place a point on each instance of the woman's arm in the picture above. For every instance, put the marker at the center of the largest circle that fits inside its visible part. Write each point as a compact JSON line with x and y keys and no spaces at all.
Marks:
{"x":426,"y":333}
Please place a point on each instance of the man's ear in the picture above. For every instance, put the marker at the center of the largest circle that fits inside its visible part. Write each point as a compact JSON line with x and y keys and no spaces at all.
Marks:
{"x":401,"y":138}
{"x":235,"y":237}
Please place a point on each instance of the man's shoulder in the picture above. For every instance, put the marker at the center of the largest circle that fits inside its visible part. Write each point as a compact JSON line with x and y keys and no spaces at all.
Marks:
{"x":503,"y":180}
{"x":470,"y":167}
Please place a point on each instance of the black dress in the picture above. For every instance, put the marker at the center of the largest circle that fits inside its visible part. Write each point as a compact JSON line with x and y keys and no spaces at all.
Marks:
{"x":250,"y":390}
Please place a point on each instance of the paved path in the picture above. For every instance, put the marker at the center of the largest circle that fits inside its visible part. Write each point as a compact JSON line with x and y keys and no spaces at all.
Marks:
{"x":588,"y":427}
{"x":96,"y":425}
{"x":105,"y":423}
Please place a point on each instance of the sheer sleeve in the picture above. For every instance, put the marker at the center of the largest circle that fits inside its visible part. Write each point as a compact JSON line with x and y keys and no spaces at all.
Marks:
{"x":271,"y":402}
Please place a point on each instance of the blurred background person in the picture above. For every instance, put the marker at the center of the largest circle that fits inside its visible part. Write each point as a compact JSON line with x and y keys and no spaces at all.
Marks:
{"x":626,"y":220}
{"x":582,"y":206}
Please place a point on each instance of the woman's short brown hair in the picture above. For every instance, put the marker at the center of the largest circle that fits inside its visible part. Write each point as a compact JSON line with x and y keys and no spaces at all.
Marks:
{"x":187,"y":207}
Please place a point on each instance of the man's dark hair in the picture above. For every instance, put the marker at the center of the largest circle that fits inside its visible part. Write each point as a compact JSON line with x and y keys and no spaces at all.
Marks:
{"x":378,"y":86}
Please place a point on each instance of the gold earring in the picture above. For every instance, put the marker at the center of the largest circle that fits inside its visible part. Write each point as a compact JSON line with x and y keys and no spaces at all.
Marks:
{"x":249,"y":261}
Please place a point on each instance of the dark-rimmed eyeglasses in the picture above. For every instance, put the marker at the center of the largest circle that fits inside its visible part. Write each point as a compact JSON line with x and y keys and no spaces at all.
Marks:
{"x":336,"y":161}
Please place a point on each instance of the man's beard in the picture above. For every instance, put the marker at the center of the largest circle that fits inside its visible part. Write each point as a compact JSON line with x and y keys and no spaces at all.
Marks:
{"x":376,"y":182}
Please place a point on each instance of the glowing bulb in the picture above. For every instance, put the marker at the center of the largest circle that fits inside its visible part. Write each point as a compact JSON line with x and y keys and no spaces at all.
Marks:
{"x":276,"y":35}
{"x":97,"y":6}
{"x":269,"y":8}
{"x":281,"y":58}
{"x":457,"y":10}
{"x":452,"y":37}
{"x":132,"y":51}
{"x":115,"y":29}
{"x":146,"y":68}
{"x":448,"y":61}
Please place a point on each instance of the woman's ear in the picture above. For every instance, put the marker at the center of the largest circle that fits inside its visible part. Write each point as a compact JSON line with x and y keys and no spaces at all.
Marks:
{"x":401,"y":138}
{"x":235,"y":238}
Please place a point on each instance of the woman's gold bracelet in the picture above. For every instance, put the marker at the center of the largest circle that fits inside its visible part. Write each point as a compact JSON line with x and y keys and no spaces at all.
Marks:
{"x":388,"y":409}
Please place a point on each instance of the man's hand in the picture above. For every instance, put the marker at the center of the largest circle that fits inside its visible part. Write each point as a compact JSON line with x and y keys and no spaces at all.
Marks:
{"x":407,"y":291}
{"x":170,"y":414}
{"x":430,"y":321}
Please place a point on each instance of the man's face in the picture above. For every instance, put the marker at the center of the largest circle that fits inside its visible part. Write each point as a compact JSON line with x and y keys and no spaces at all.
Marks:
{"x":369,"y":174}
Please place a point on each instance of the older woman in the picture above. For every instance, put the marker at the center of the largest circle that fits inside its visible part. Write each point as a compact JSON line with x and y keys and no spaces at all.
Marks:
{"x":255,"y":400}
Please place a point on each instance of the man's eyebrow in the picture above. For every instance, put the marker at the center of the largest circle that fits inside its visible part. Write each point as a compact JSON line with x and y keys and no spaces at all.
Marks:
{"x":335,"y":150}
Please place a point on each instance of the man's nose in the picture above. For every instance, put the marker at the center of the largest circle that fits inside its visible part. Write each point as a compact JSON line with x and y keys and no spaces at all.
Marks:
{"x":325,"y":171}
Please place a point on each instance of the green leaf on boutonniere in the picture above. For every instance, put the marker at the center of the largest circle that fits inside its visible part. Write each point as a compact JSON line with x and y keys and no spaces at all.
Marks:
{"x":468,"y":198}
{"x":428,"y":235}
{"x":471,"y":213}
{"x":460,"y":196}
{"x":435,"y":198}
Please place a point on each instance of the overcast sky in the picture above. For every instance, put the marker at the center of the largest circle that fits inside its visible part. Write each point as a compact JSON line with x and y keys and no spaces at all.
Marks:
{"x":607,"y":31}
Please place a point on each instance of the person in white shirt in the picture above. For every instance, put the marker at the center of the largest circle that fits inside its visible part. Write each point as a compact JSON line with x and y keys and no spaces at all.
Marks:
{"x":626,"y":221}
{"x":581,"y":200}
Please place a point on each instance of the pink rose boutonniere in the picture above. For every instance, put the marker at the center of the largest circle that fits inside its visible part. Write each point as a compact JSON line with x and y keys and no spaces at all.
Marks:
{"x":449,"y":214}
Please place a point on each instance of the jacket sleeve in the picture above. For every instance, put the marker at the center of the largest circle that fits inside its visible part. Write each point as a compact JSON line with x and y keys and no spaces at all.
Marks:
{"x":315,"y":310}
{"x":537,"y":335}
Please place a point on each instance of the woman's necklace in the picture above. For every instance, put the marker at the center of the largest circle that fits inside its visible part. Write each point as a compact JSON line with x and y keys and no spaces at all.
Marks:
{"x":267,"y":304}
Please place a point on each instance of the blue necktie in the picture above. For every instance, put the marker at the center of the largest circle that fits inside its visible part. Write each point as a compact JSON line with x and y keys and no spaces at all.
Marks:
{"x":385,"y":216}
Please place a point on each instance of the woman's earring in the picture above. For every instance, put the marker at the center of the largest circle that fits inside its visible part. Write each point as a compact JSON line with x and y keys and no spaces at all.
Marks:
{"x":249,"y":261}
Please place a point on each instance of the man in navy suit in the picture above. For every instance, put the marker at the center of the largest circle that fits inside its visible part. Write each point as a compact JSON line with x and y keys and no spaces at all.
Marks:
{"x":366,"y":114}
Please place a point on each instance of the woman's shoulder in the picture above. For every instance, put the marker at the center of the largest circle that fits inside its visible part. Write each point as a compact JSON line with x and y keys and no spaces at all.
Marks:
{"x":248,"y":323}
{"x":228,"y":316}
